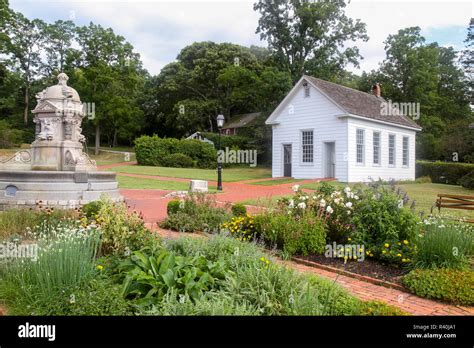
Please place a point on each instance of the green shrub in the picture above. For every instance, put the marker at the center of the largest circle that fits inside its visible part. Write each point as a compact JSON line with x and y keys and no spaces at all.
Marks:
{"x":326,"y":189}
{"x":91,"y":209}
{"x":122,"y":231}
{"x":173,"y":206}
{"x":386,"y":230}
{"x":197,"y":213}
{"x":239,"y":209}
{"x":177,"y":160}
{"x":442,"y":284}
{"x":444,"y":244}
{"x":156,"y":151}
{"x":293,"y":235}
{"x":443,"y":172}
{"x":467,"y":180}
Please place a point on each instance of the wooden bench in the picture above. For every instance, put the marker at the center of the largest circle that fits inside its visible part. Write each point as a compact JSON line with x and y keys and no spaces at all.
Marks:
{"x":455,"y":202}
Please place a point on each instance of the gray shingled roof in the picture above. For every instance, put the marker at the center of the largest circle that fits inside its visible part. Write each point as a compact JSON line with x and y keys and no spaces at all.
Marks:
{"x":359,"y":103}
{"x":243,"y":120}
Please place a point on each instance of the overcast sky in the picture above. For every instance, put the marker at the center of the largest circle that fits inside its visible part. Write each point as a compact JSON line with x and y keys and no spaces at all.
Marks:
{"x":160,"y":29}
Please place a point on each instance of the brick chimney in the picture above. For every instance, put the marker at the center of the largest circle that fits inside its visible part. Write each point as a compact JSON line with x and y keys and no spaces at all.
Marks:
{"x":376,"y":90}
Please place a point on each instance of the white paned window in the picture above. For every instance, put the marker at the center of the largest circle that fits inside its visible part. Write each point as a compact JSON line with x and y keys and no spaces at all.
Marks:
{"x":376,"y":145}
{"x":307,"y":146}
{"x":405,"y":151}
{"x":391,"y":149}
{"x":360,"y":146}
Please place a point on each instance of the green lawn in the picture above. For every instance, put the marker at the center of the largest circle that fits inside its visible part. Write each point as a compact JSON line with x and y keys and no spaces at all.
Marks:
{"x":275,"y":182}
{"x":108,"y":158}
{"x":228,"y":174}
{"x":127,"y":182}
{"x":426,"y":194}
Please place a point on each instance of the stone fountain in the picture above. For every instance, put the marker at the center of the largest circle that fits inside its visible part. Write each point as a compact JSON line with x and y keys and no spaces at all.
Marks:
{"x":56,"y":170}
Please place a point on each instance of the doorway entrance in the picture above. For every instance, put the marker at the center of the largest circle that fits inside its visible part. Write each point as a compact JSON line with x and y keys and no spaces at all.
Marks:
{"x":330,"y":160}
{"x":287,"y":160}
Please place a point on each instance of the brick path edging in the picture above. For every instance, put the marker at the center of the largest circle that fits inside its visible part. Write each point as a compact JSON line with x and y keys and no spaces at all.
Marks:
{"x":368,"y":279}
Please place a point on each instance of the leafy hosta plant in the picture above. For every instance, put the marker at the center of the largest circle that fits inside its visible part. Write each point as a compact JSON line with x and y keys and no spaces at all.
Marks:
{"x":150,"y":277}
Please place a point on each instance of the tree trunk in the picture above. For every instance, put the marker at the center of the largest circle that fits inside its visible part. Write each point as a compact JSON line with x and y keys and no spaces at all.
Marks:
{"x":27,"y":105}
{"x":97,"y":139}
{"x":114,"y":142}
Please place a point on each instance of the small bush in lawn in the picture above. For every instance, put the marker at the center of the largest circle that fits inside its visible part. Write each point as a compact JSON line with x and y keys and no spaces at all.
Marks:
{"x":292,"y":234}
{"x":177,"y":160}
{"x":444,"y":244}
{"x":239,"y":209}
{"x":173,"y":206}
{"x":442,"y":284}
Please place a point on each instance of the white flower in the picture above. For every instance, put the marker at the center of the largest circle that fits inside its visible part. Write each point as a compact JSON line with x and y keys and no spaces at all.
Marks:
{"x":337,"y":200}
{"x":348,"y":212}
{"x":291,"y":204}
{"x":347,"y":189}
{"x":322,"y":203}
{"x":303,"y":198}
{"x":302,"y":205}
{"x":356,"y":197}
{"x":329,"y":209}
{"x":296,"y":188}
{"x":349,"y":204}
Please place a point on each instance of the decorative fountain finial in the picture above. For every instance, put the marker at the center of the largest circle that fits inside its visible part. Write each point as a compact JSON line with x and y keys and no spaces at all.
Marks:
{"x":62,"y":78}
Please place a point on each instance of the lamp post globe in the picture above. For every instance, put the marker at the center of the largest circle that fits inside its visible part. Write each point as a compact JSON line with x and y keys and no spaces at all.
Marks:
{"x":220,"y":123}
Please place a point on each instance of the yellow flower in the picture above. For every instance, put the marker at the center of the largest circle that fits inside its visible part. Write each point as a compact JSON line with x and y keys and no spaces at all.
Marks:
{"x":384,"y":251}
{"x":386,"y":245}
{"x":405,"y":242}
{"x":100,"y":267}
{"x":404,"y":260}
{"x":348,"y":239}
{"x":267,"y":262}
{"x":399,"y":255}
{"x":262,"y":259}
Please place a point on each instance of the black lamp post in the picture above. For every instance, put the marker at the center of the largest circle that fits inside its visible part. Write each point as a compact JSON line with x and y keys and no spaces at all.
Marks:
{"x":220,"y":123}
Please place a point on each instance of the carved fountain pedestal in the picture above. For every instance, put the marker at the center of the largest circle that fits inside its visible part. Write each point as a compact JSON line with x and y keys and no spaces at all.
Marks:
{"x":56,"y":170}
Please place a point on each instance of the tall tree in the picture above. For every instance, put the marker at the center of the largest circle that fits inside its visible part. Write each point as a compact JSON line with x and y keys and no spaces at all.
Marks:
{"x":310,"y":36}
{"x":416,"y":72}
{"x":467,"y":57}
{"x":210,"y":78}
{"x":107,"y":63}
{"x":24,"y":48}
{"x":58,"y":40}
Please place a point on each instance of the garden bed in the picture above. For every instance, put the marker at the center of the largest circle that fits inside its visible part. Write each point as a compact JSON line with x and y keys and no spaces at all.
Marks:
{"x":368,"y":268}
